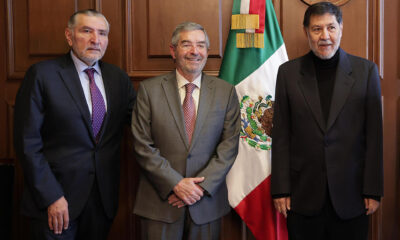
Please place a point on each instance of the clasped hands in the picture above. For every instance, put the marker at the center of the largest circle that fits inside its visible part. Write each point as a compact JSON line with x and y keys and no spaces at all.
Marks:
{"x":186,"y":192}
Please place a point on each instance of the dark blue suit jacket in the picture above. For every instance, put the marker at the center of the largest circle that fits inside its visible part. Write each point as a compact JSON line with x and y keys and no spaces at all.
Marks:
{"x":54,"y":141}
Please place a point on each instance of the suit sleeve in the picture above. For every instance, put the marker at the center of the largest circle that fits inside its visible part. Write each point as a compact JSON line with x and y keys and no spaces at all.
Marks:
{"x":280,"y":165}
{"x":156,"y":168}
{"x":29,"y":117}
{"x":221,"y":162}
{"x":373,"y":169}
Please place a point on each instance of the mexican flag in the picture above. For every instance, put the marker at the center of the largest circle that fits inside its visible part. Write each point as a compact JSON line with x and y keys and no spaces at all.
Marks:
{"x":253,"y":53}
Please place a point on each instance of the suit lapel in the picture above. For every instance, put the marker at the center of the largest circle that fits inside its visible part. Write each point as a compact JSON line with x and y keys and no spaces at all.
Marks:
{"x":309,"y":86}
{"x":207,"y":92}
{"x":71,"y":80}
{"x":342,"y":88}
{"x":170,"y":87}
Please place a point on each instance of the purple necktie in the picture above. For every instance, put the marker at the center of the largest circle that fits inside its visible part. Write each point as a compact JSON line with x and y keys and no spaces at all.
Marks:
{"x":98,"y":106}
{"x":189,"y":110}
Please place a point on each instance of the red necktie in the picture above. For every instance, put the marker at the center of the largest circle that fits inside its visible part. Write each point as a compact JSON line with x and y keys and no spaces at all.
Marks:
{"x":98,"y":106}
{"x":189,"y":110}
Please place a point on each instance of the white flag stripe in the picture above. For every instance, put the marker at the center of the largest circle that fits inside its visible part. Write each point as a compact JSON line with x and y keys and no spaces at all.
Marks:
{"x":244,"y":6}
{"x":250,"y":169}
{"x":254,"y":166}
{"x":262,"y":81}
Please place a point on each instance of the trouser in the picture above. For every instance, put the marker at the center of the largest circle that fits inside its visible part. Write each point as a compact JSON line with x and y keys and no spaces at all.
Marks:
{"x":184,"y":228}
{"x":326,"y":226}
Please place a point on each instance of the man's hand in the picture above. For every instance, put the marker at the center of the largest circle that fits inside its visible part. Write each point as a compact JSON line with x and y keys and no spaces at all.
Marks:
{"x":282,"y":205}
{"x":58,"y":216}
{"x":175,"y":201}
{"x":371,"y":204}
{"x":188,"y":190}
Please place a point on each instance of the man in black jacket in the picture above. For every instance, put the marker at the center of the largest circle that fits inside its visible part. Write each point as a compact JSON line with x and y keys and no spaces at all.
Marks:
{"x":327,"y":152}
{"x":69,"y":118}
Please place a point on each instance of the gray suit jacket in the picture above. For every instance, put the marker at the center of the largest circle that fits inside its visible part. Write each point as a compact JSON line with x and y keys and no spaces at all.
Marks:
{"x":165,"y":156}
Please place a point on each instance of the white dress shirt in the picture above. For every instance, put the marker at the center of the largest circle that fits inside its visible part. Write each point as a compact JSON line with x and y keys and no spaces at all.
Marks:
{"x":182,"y":89}
{"x":80,"y":67}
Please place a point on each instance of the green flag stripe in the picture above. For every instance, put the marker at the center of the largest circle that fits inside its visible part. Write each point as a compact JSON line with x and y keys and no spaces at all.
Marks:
{"x":239,"y":63}
{"x":236,"y":7}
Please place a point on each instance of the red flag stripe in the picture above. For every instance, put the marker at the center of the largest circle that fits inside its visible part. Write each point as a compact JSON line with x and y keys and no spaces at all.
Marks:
{"x":258,"y":7}
{"x":259,"y":214}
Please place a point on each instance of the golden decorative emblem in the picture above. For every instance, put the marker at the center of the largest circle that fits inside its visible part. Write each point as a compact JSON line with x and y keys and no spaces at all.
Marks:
{"x":336,"y":2}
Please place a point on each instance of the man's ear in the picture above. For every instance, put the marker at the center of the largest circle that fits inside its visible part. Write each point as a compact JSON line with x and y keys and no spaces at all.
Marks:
{"x":68,"y":36}
{"x":305,"y":31}
{"x":172,"y":51}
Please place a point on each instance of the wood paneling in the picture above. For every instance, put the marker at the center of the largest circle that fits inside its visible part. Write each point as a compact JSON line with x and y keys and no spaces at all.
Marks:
{"x":36,"y":30}
{"x":153,"y":22}
{"x":4,"y":141}
{"x":391,"y":106}
{"x":113,"y":11}
{"x":161,"y":23}
{"x":138,"y":42}
{"x":355,"y":27}
{"x":46,"y":37}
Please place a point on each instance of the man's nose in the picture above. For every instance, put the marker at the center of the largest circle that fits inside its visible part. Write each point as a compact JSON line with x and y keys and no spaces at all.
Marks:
{"x":324,"y":34}
{"x":94,"y":37}
{"x":194,"y":50}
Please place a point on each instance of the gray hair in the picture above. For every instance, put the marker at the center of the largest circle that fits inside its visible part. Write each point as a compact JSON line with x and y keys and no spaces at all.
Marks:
{"x":87,"y":12}
{"x":187,"y":26}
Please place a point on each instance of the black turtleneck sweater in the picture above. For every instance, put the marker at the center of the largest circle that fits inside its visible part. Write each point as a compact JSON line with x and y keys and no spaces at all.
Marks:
{"x":326,"y":73}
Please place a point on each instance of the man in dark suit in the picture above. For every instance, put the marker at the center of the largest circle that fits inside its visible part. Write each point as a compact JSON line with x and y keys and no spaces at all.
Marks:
{"x":186,"y":127}
{"x":327,"y":150}
{"x":69,"y":119}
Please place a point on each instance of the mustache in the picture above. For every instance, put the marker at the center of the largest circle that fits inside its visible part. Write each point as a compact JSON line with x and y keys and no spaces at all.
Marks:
{"x":324,"y":42}
{"x":93,"y":48}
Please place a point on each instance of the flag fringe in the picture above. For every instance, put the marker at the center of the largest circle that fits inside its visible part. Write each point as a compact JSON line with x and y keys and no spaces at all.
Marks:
{"x":250,"y":40}
{"x":245,"y":21}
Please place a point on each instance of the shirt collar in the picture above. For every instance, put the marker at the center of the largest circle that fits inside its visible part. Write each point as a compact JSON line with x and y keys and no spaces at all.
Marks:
{"x":81,"y":66}
{"x":182,"y":81}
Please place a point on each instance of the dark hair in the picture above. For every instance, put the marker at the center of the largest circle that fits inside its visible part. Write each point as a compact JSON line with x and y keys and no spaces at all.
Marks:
{"x":87,"y":12}
{"x":322,"y":8}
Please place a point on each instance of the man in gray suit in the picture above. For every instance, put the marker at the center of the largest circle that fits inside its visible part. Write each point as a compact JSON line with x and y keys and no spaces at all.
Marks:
{"x":186,"y":127}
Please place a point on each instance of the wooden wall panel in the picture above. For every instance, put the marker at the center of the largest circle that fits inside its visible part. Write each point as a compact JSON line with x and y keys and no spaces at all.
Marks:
{"x":36,"y":30}
{"x":46,"y":37}
{"x":114,"y":12}
{"x":391,"y":125}
{"x":161,"y":23}
{"x":3,"y":76}
{"x":153,"y":22}
{"x":355,"y":27}
{"x":138,"y":42}
{"x":26,"y":22}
